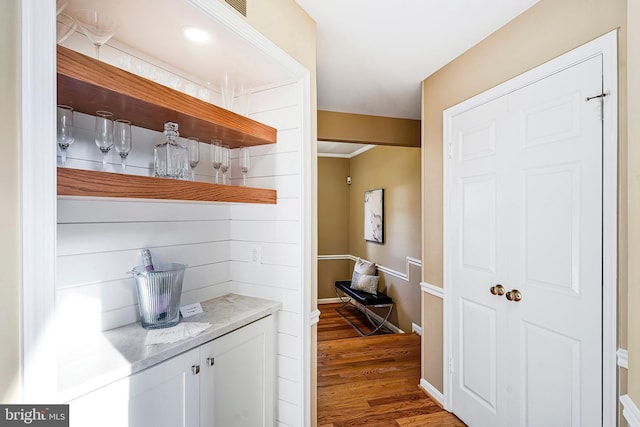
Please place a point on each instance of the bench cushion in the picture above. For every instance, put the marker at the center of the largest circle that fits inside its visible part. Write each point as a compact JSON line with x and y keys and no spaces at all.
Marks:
{"x":361,"y":297}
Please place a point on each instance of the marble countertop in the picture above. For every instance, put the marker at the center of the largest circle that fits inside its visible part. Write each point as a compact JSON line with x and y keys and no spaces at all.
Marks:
{"x":88,"y":363}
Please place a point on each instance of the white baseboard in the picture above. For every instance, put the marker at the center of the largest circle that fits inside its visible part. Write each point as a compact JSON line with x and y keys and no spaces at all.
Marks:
{"x":328,"y":301}
{"x":432,"y":391}
{"x":417,"y":329}
{"x":630,"y":411}
{"x":390,"y":326}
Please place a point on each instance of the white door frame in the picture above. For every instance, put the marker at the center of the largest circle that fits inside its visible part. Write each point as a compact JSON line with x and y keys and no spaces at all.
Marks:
{"x":606,"y":46}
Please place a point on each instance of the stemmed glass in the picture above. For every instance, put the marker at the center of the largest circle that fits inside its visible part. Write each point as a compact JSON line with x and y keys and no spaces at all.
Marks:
{"x":228,"y":91}
{"x":245,"y":163}
{"x":98,"y":26}
{"x":193,"y":147}
{"x":216,"y":156}
{"x":65,"y":130}
{"x":104,"y":134}
{"x":226,"y":163}
{"x":122,"y":140}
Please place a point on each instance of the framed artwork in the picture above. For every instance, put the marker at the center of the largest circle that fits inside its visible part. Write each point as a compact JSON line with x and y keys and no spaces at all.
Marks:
{"x":374,"y":215}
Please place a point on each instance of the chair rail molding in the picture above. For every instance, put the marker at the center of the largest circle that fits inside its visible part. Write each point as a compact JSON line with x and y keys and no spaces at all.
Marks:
{"x":434,"y":290}
{"x":314,"y":317}
{"x":623,"y":358}
{"x":630,"y":411}
{"x":409,"y":261}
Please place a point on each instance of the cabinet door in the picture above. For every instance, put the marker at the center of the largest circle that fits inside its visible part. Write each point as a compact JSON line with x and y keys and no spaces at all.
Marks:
{"x":236,"y":382}
{"x":165,"y":395}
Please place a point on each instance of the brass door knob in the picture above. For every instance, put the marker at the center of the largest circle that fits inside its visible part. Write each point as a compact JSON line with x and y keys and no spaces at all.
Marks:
{"x":514,"y":295}
{"x":497,"y":290}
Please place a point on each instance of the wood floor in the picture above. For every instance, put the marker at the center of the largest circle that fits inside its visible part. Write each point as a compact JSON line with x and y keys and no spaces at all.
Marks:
{"x":371,"y":381}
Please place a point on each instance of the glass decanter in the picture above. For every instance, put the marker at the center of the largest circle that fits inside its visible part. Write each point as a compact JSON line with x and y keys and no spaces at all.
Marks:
{"x":170,"y":159}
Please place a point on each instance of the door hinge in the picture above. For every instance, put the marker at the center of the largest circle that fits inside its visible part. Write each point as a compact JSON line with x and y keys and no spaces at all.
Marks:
{"x":450,"y":150}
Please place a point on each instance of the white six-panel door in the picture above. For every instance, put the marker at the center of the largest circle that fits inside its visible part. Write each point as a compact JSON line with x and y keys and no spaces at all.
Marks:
{"x":525,"y":212}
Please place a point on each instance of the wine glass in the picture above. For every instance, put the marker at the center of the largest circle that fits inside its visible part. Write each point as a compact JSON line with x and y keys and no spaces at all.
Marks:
{"x":65,"y":26}
{"x":122,"y":140}
{"x":65,"y":130}
{"x":104,"y":134}
{"x":216,"y":156}
{"x":193,"y":147}
{"x":228,"y":91}
{"x":245,"y":163}
{"x":98,"y":26}
{"x":225,"y":163}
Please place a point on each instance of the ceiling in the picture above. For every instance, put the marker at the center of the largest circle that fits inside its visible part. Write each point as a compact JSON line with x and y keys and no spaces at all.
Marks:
{"x":163,"y":41}
{"x":373,"y":54}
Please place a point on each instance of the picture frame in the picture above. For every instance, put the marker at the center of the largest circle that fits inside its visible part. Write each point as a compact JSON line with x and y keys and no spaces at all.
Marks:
{"x":374,"y":216}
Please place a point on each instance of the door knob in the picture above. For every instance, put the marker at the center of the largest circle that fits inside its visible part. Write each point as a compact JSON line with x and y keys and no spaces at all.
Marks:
{"x":497,"y":290}
{"x":514,"y":295}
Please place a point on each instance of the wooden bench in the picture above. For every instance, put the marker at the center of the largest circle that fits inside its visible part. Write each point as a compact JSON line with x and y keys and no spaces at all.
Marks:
{"x":365,"y":302}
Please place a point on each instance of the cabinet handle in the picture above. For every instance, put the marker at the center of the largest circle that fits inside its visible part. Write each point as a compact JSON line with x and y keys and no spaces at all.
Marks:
{"x":195,"y":369}
{"x":210,"y":361}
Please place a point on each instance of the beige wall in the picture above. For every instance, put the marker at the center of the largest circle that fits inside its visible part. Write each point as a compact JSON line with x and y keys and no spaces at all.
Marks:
{"x":10,"y":212}
{"x":341,"y":223}
{"x":333,"y":222}
{"x":349,"y":127}
{"x":545,"y":31}
{"x":397,"y":170}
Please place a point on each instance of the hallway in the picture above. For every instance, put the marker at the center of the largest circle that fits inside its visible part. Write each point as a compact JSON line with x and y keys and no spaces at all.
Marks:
{"x":371,"y":381}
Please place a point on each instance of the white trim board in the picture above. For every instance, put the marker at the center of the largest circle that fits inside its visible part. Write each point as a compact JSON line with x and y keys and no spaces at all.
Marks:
{"x":430,"y":289}
{"x":329,"y":300}
{"x":605,"y":46}
{"x":416,"y":329}
{"x":315,"y":317}
{"x":38,"y":194}
{"x":409,"y":261}
{"x":622,"y":358}
{"x":630,"y":411}
{"x":433,"y":392}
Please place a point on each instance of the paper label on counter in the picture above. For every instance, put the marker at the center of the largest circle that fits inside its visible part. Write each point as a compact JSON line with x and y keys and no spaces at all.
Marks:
{"x":190,"y":310}
{"x":175,"y":333}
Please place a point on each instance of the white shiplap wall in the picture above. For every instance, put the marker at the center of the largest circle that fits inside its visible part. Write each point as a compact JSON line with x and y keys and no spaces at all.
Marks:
{"x":99,"y":240}
{"x":277,"y":232}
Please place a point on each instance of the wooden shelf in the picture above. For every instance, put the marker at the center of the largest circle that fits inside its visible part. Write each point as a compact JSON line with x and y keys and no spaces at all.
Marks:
{"x":89,"y":85}
{"x":77,"y":182}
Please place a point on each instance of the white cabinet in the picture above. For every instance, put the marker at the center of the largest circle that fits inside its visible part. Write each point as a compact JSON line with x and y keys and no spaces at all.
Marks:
{"x":165,"y":395}
{"x":236,"y":381}
{"x":228,"y":381}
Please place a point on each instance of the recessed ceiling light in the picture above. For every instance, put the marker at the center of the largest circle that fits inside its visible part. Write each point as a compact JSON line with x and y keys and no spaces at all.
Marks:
{"x":196,"y":34}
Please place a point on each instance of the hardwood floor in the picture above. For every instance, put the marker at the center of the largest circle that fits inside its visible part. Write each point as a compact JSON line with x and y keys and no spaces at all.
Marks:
{"x":371,"y":381}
